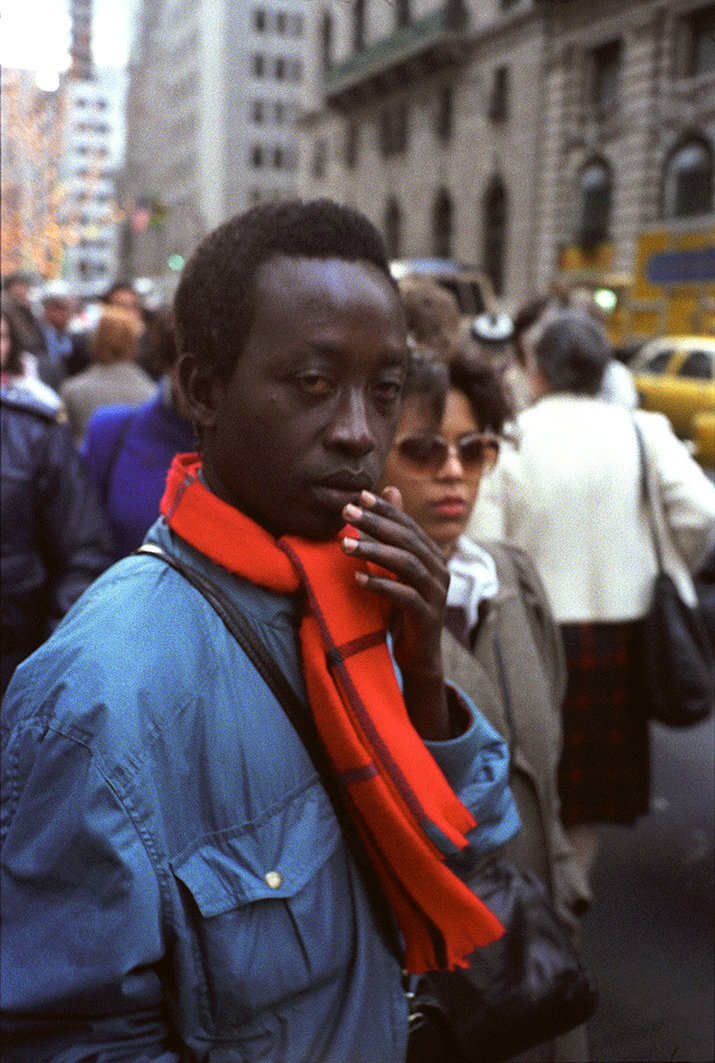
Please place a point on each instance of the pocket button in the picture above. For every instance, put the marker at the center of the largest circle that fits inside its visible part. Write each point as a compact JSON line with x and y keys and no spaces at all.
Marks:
{"x":274,"y":880}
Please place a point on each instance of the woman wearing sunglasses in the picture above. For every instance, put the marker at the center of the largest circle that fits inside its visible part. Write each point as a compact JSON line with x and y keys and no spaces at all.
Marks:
{"x":500,"y":642}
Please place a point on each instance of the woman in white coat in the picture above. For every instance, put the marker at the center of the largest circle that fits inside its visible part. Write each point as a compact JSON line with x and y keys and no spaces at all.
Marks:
{"x":570,"y":494}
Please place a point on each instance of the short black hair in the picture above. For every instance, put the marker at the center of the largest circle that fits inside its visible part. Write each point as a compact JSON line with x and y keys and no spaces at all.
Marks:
{"x":214,"y":304}
{"x":572,"y":352}
{"x":430,"y":377}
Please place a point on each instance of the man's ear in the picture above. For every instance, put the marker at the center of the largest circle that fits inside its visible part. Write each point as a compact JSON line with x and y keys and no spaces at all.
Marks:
{"x":199,"y":387}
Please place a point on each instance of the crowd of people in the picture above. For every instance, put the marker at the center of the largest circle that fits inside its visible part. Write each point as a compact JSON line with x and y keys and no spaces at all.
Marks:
{"x":437,"y":533}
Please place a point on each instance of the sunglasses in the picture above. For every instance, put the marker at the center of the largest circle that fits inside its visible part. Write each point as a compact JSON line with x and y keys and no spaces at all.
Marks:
{"x":426,"y":455}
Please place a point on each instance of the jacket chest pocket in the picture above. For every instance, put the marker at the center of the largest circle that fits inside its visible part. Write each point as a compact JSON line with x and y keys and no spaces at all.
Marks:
{"x":268,"y":906}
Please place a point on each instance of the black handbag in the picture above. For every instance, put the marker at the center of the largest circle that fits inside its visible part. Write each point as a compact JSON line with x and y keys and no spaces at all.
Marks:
{"x":525,"y":988}
{"x":675,"y":655}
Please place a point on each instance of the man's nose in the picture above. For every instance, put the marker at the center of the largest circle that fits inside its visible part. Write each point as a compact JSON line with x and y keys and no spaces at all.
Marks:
{"x":350,"y":428}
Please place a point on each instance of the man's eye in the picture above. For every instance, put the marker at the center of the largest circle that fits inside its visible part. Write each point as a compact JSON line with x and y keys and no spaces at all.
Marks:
{"x":315,"y":383}
{"x":388,"y":389}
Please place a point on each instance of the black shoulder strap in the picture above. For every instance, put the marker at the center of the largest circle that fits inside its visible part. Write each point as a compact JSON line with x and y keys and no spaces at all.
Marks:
{"x":302,"y":721}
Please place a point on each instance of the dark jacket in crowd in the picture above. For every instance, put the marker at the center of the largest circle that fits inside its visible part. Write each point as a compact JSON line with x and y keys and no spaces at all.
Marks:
{"x":55,"y":537}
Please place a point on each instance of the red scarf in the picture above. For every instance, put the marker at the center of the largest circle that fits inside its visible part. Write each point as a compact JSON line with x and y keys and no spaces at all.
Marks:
{"x":407,"y":814}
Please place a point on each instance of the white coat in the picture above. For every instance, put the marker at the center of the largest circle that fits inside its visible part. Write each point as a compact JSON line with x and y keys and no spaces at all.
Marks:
{"x":570,"y":495}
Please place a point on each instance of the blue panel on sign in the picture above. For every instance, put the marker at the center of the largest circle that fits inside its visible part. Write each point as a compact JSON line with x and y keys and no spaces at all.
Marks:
{"x":682,"y":267}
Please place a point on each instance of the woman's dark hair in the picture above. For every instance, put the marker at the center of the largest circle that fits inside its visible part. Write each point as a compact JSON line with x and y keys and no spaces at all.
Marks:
{"x":572,"y":352}
{"x":214,"y":304}
{"x":13,"y":365}
{"x":430,"y":377}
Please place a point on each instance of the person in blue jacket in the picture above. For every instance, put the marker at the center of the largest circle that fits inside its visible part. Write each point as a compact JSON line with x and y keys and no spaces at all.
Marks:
{"x":128,"y":449}
{"x":175,"y":883}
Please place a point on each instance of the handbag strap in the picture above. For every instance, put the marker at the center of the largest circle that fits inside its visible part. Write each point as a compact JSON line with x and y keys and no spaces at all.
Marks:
{"x":301,"y":719}
{"x":647,"y":494}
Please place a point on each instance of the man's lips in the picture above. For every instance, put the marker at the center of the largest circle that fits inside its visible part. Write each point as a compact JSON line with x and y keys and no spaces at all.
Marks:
{"x":340,"y":488}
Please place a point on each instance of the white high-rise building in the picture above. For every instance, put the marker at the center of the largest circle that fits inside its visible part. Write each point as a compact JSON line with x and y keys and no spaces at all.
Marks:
{"x":213,"y":100}
{"x":92,"y":152}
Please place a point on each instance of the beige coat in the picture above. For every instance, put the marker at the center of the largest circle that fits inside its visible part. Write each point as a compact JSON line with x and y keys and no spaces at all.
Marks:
{"x":102,"y":385}
{"x":519,"y":620}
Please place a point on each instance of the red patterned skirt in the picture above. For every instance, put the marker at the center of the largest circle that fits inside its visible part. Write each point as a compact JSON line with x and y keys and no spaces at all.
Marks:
{"x":604,"y":774}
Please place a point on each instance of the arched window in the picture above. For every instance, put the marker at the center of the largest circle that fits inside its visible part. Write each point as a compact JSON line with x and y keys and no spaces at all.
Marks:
{"x":442,"y":220}
{"x":393,"y":227}
{"x":595,"y":194}
{"x":495,"y":226}
{"x":688,"y":180}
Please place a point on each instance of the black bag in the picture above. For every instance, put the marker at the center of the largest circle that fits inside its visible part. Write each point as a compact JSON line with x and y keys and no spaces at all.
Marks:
{"x":526,"y":988}
{"x":675,"y":655}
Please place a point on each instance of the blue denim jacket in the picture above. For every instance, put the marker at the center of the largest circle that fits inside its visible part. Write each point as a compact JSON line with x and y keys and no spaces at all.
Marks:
{"x":174,"y":882}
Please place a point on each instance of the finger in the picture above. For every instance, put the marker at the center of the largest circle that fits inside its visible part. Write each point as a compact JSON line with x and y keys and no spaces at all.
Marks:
{"x":381,"y":521}
{"x":411,"y":559}
{"x":429,"y":580}
{"x":407,"y":598}
{"x":393,"y":495}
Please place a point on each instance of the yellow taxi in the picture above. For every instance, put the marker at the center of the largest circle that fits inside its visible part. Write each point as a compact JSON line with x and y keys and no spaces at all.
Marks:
{"x":675,"y":375}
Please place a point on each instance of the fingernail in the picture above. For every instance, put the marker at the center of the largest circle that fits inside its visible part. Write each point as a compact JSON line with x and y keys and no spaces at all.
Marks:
{"x":349,"y":545}
{"x":361,"y":577}
{"x":352,"y":512}
{"x":367,"y":498}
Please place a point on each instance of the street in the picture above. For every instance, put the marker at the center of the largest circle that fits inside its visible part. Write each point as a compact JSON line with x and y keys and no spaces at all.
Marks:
{"x":649,"y":937}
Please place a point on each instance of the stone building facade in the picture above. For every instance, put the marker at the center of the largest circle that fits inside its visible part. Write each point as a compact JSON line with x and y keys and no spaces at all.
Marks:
{"x":528,"y":137}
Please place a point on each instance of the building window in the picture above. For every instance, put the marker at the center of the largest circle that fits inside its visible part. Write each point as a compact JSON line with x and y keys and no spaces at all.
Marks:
{"x":277,"y":158}
{"x":688,"y":181}
{"x":445,"y":114}
{"x":499,"y":97}
{"x":402,"y":13}
{"x":358,"y":25}
{"x":352,"y":145}
{"x":595,"y":199}
{"x":700,"y":34}
{"x":326,"y":40}
{"x":442,"y":222}
{"x":279,"y":112}
{"x":605,"y":77}
{"x":259,"y":20}
{"x":257,"y":156}
{"x":296,"y":70}
{"x":297,"y":26}
{"x":393,"y":227}
{"x":258,"y":66}
{"x":320,"y":159}
{"x":394,"y":130}
{"x":281,"y":22}
{"x":280,"y":69}
{"x":495,"y":227}
{"x":257,"y":111}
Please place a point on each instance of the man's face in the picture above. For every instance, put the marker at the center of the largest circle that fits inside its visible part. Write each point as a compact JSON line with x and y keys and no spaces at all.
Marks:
{"x":306,"y":420}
